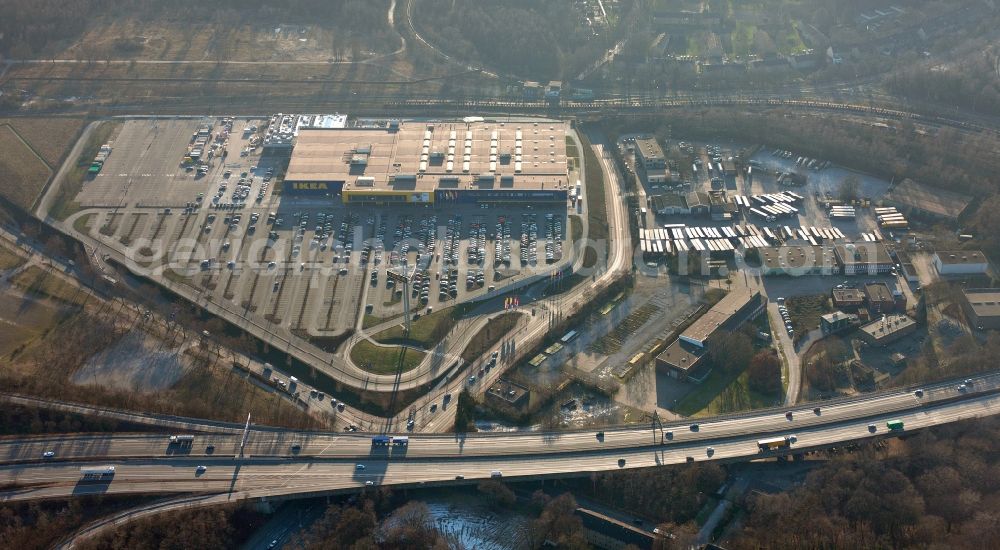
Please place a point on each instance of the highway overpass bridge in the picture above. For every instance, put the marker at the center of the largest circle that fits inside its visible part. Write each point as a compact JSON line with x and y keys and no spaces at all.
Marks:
{"x":288,"y":464}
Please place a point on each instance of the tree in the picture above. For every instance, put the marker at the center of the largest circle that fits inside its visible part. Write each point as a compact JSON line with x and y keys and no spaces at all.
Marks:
{"x":731,"y":351}
{"x":498,"y":494}
{"x":411,"y":526}
{"x":850,"y":188}
{"x":765,"y":372}
{"x":560,"y":524}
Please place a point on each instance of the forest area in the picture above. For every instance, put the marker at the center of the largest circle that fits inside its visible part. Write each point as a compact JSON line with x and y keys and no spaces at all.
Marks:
{"x":972,"y":84}
{"x":30,"y":27}
{"x":936,"y":489}
{"x":538,"y":40}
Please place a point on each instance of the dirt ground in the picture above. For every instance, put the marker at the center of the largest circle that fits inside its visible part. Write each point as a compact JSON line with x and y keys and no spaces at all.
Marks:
{"x":23,"y":318}
{"x":137,"y":361}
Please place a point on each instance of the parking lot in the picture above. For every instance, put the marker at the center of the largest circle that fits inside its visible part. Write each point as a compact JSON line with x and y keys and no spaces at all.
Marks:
{"x":307,"y":263}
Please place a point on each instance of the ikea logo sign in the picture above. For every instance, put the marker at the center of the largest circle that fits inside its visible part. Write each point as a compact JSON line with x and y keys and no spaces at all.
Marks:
{"x":310,"y":186}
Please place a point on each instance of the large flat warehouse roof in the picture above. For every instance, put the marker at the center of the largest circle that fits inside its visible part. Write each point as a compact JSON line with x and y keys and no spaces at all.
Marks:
{"x":424,"y":156}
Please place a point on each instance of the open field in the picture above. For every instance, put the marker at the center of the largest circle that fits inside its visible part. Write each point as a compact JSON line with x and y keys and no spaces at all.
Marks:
{"x":64,"y":205}
{"x":50,"y":137}
{"x":385,"y":359}
{"x":723,"y":393}
{"x":805,"y":311}
{"x":207,"y":87}
{"x":23,"y":319}
{"x":9,"y":259}
{"x":487,"y":337}
{"x":425,"y":332}
{"x":22,"y":173}
{"x":36,"y":281}
{"x":165,"y":40}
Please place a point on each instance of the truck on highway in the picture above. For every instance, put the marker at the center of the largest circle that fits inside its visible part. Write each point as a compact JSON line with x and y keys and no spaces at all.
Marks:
{"x":894,"y":425}
{"x":773,"y":443}
{"x":92,"y":473}
{"x":182,"y":440}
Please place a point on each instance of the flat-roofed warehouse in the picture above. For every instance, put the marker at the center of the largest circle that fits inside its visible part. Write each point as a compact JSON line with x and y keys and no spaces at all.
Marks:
{"x":434,"y":162}
{"x":983,"y":307}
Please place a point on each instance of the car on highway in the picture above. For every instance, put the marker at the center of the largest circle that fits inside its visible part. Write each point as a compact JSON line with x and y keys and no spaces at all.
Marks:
{"x":816,"y":411}
{"x":210,"y":449}
{"x":273,"y":545}
{"x":919,"y":393}
{"x":201,"y":468}
{"x":621,"y":462}
{"x":872,"y":428}
{"x":710,"y":451}
{"x":369,"y":483}
{"x":48,"y":454}
{"x":359,"y":466}
{"x":788,"y":415}
{"x":496,"y":474}
{"x":694,"y":427}
{"x":459,"y":476}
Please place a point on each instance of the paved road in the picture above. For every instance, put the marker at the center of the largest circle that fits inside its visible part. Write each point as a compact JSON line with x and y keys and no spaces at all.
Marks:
{"x":326,"y":462}
{"x":149,"y":462}
{"x":338,"y":367}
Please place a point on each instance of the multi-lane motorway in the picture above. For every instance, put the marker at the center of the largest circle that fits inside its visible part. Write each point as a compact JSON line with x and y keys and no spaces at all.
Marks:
{"x":281,"y":464}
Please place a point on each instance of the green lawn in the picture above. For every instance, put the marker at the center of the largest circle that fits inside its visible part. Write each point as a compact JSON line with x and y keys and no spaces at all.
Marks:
{"x":82,"y":224}
{"x":743,"y":38}
{"x":385,"y":360}
{"x":9,"y":259}
{"x":425,"y":332}
{"x":790,"y":42}
{"x":575,"y":228}
{"x":489,"y":335}
{"x":723,"y":393}
{"x":34,"y":280}
{"x":64,"y":205}
{"x":805,"y":311}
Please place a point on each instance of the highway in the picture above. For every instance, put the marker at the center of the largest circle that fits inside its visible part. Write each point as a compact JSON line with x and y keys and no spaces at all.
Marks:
{"x":326,"y":462}
{"x":279,"y":464}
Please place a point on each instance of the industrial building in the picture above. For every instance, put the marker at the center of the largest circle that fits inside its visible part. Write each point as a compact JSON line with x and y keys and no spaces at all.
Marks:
{"x":413,"y":162}
{"x":650,"y":156}
{"x":509,"y":395}
{"x":699,"y":203}
{"x":848,"y":299}
{"x":887,"y":329}
{"x":797,"y":261}
{"x":681,"y":360}
{"x":982,"y":307}
{"x":882,"y":300}
{"x":670,"y":204}
{"x":916,"y":199}
{"x":863,"y":258}
{"x":683,"y":357}
{"x":960,"y":262}
{"x":838,"y":321}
